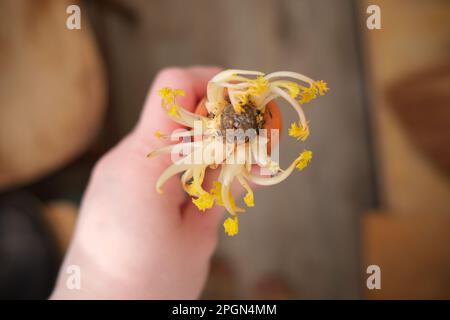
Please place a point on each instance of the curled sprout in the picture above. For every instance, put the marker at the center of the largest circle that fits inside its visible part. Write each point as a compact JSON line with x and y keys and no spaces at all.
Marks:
{"x":236,"y":99}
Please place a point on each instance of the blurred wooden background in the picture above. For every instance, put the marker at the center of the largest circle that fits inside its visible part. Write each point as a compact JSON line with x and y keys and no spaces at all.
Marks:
{"x":408,"y":64}
{"x":309,"y":237}
{"x":52,"y":90}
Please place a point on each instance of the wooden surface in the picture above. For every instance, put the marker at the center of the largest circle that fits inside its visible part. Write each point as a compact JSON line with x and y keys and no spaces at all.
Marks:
{"x":410,"y":182}
{"x":412,"y":253}
{"x":421,"y":103}
{"x":408,"y":71}
{"x":305,"y":229}
{"x":52,"y":90}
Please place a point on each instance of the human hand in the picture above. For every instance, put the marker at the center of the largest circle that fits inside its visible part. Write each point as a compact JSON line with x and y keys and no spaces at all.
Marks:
{"x":131,"y":242}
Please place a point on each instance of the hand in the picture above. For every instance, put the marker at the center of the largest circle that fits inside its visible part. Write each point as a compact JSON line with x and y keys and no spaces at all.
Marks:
{"x":131,"y":242}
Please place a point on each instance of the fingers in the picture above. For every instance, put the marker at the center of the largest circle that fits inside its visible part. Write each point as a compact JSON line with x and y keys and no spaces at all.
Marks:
{"x":202,"y":74}
{"x":192,"y":80}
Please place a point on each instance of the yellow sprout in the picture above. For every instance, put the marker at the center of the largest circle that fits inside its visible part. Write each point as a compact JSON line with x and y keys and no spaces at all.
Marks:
{"x":304,"y":159}
{"x":205,"y":201}
{"x":216,"y":192}
{"x":231,"y":226}
{"x":167,"y":95}
{"x":258,"y":86}
{"x":321,"y":87}
{"x":293,"y":89}
{"x":249,"y":199}
{"x":191,"y":189}
{"x":299,"y":131}
{"x":173,"y":110}
{"x":242,"y":100}
{"x":308,"y":94}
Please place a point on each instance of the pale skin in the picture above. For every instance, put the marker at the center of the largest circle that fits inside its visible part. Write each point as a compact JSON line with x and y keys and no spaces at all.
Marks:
{"x":131,"y":242}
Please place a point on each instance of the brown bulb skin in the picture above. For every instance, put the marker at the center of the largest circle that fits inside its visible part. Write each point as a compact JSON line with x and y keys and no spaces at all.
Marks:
{"x":272,"y":117}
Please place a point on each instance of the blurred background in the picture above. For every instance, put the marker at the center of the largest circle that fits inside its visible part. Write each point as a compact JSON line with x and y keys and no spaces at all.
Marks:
{"x":377,"y":192}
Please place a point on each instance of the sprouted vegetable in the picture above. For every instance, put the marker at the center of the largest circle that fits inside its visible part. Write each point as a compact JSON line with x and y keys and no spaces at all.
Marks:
{"x":236,"y":102}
